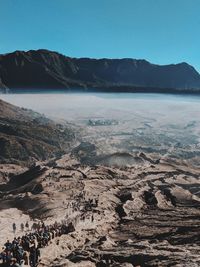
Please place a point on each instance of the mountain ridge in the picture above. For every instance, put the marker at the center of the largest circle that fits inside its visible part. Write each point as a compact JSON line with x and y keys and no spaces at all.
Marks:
{"x":27,"y":136}
{"x":44,"y":69}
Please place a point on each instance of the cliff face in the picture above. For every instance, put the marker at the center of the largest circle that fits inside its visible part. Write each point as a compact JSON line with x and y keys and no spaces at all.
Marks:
{"x":26,"y":136}
{"x":43,"y":69}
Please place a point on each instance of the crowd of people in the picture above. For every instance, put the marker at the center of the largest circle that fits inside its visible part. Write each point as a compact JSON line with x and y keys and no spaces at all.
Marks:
{"x":25,"y":250}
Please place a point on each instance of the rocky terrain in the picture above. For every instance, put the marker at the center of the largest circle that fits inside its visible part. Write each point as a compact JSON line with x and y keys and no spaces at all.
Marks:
{"x":147,"y":214}
{"x":129,"y":208}
{"x":26,"y":136}
{"x":43,"y":69}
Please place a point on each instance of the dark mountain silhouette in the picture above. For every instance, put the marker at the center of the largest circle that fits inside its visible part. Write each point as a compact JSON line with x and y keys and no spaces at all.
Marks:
{"x":43,"y":69}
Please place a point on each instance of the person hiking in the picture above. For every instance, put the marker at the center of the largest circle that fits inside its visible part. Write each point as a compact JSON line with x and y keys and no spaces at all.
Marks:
{"x":8,"y":245}
{"x":22,"y":227}
{"x":33,"y":256}
{"x":27,"y":226}
{"x":26,"y":258}
{"x":8,"y":256}
{"x":14,"y":263}
{"x":14,"y":227}
{"x":37,"y":254}
{"x":19,"y":254}
{"x":3,"y":255}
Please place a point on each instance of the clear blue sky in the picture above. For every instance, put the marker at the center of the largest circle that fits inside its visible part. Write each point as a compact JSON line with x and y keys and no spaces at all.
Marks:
{"x":161,"y":31}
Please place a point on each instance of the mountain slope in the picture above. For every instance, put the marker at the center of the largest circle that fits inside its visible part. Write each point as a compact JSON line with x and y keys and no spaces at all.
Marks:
{"x":26,"y":136}
{"x":43,"y":69}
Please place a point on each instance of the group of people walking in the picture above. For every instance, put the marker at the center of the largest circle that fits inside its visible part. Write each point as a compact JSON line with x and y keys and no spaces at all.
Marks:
{"x":22,"y":226}
{"x":25,"y":250}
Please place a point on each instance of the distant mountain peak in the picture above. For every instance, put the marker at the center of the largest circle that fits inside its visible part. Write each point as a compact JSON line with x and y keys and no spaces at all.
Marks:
{"x":45,"y":69}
